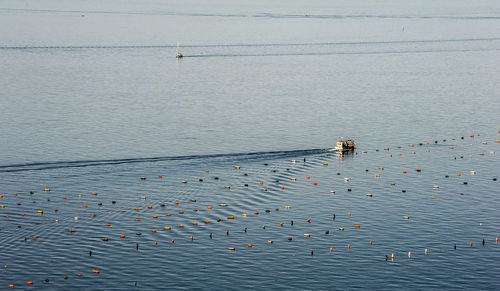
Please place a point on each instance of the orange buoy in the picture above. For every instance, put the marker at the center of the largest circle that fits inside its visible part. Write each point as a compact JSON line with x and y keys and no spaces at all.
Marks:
{"x":153,"y":231}
{"x":315,"y":183}
{"x":256,"y":213}
{"x":156,"y":243}
{"x":108,"y":225}
{"x":35,"y":237}
{"x":160,"y":176}
{"x":191,"y":237}
{"x":261,"y":182}
{"x":348,"y":246}
{"x":72,"y":230}
{"x":150,"y":206}
{"x":371,"y":242}
{"x":349,"y":214}
{"x":85,"y":206}
{"x":357,"y":226}
{"x":282,"y":187}
{"x":11,"y":285}
{"x":418,"y":170}
{"x":308,"y":177}
{"x":136,"y":209}
{"x":168,"y":214}
{"x":95,"y":271}
{"x":122,"y":236}
{"x":30,"y":282}
{"x":176,"y":202}
{"x":249,"y":245}
{"x":181,"y":212}
{"x":181,"y":225}
{"x":124,"y":210}
{"x":137,"y":219}
{"x":309,"y":220}
{"x":331,"y":250}
{"x":207,"y":221}
{"x":459,"y":174}
{"x":281,"y":224}
{"x":400,"y":155}
{"x":209,"y":207}
{"x":173,"y":241}
{"x":404,"y":172}
{"x":22,"y":214}
{"x":155,"y":216}
{"x":471,"y":244}
{"x":195,"y":223}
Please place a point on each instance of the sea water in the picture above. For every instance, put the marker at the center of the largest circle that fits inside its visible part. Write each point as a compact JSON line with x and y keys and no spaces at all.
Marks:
{"x":93,"y":99}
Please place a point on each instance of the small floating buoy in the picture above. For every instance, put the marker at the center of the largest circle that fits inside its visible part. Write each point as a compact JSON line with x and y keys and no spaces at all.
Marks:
{"x":426,"y":251}
{"x":357,"y":226}
{"x":409,"y":254}
{"x":307,"y":235}
{"x":184,"y":182}
{"x":105,"y":239}
{"x":230,"y":217}
{"x":369,"y":195}
{"x":406,"y":217}
{"x":332,"y":191}
{"x":269,"y":241}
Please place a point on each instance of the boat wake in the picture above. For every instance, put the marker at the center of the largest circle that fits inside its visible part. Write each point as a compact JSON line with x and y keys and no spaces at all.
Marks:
{"x":270,"y":155}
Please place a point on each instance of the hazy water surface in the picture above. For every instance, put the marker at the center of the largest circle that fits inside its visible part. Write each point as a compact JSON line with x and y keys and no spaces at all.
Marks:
{"x":93,"y":98}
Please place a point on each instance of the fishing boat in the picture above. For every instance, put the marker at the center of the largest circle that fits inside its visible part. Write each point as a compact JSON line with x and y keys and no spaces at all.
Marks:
{"x":178,"y":54}
{"x":344,"y":144}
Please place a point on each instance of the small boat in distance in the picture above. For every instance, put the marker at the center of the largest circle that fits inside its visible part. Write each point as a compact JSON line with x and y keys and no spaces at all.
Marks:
{"x":178,"y":54}
{"x":344,"y":144}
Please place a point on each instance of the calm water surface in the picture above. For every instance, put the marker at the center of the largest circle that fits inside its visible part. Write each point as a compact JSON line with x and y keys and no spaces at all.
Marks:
{"x":93,"y":99}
